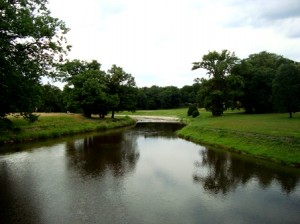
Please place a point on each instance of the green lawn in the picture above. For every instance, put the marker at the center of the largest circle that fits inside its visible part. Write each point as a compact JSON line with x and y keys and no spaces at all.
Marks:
{"x":274,"y":137}
{"x":60,"y":124}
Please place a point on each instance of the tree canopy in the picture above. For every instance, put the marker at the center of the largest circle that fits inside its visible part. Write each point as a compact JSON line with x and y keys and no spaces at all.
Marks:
{"x":217,"y":92}
{"x":122,"y":86}
{"x":31,"y":42}
{"x":93,"y":91}
{"x":258,"y":72}
{"x":286,"y":88}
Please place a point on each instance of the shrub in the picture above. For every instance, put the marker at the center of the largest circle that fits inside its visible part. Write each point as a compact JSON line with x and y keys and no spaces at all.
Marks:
{"x":5,"y":124}
{"x":195,"y":113}
{"x":31,"y":118}
{"x":191,"y":109}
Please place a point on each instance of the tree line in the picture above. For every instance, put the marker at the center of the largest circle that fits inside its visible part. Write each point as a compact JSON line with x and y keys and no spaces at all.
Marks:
{"x":33,"y":45}
{"x":94,"y":94}
{"x":262,"y":83}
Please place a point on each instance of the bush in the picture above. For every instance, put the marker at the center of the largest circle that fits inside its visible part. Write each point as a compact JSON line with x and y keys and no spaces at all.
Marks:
{"x":193,"y":108}
{"x":195,"y":113}
{"x":31,"y":118}
{"x":5,"y":124}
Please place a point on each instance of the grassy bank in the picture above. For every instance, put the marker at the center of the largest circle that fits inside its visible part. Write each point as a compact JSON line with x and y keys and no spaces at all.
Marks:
{"x":269,"y":136}
{"x":55,"y":125}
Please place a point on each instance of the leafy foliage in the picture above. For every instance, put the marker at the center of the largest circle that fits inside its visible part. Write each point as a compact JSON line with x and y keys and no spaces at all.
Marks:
{"x":193,"y":111}
{"x":86,"y":89}
{"x":31,"y":41}
{"x":93,"y":91}
{"x":258,"y":72}
{"x":286,"y":88}
{"x":51,"y":99}
{"x":220,"y":91}
{"x":121,"y":85}
{"x":31,"y":118}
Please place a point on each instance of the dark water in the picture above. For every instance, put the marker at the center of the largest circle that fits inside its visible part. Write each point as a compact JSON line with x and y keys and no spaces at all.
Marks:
{"x":142,"y":175}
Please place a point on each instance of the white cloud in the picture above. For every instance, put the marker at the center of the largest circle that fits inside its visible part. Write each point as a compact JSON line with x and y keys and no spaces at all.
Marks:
{"x":157,"y":40}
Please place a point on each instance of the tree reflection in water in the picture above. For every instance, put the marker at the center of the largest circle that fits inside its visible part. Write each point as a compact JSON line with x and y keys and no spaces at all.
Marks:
{"x":95,"y":155}
{"x":221,"y":173}
{"x":157,"y":129}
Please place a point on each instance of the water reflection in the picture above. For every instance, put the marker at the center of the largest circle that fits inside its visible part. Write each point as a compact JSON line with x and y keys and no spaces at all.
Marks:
{"x":112,"y":151}
{"x":225,"y":172}
{"x":15,"y":208}
{"x":142,"y":175}
{"x":166,"y":130}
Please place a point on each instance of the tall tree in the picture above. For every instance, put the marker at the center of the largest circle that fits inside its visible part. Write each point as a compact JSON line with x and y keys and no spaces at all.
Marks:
{"x":215,"y":91}
{"x":258,"y":72}
{"x":122,"y":86}
{"x":286,"y":88}
{"x":31,"y":41}
{"x":86,"y":87}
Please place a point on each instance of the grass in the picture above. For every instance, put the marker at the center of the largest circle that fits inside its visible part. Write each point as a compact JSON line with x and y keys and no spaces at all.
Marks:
{"x":274,"y":137}
{"x":55,"y":125}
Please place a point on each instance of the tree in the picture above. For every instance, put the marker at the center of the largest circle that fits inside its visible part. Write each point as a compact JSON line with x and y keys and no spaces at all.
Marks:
{"x":141,"y":99}
{"x":258,"y":72}
{"x":215,"y":91}
{"x":122,"y":87}
{"x":90,"y":92}
{"x":189,"y":94}
{"x":169,"y":97}
{"x":51,"y":99}
{"x":69,"y":69}
{"x":31,"y":42}
{"x":153,"y":101}
{"x":286,"y":88}
{"x":86,"y":88}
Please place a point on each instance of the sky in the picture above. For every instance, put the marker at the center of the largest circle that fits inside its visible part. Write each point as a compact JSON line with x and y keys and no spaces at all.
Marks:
{"x":156,"y":41}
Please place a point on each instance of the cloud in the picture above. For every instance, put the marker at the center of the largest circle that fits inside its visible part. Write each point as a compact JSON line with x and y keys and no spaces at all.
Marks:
{"x":278,"y":10}
{"x":282,"y":16}
{"x":157,"y":40}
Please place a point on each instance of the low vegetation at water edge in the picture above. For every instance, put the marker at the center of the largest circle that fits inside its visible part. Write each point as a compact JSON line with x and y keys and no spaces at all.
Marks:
{"x":58,"y":124}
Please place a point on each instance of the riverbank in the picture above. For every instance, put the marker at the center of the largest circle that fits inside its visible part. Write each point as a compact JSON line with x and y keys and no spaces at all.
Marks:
{"x":273,"y":137}
{"x":53,"y":125}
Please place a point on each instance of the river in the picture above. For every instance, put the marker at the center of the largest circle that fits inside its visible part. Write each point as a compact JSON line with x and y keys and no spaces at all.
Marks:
{"x":140,"y":175}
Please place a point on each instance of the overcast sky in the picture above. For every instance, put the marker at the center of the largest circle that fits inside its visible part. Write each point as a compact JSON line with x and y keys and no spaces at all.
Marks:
{"x":157,"y":40}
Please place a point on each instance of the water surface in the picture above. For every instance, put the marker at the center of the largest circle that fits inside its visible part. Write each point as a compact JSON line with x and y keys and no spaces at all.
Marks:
{"x":142,"y":175}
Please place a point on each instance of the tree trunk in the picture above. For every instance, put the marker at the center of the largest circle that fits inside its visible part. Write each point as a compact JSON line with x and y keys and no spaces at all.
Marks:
{"x":291,"y":114}
{"x":113,"y":114}
{"x":87,"y":113}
